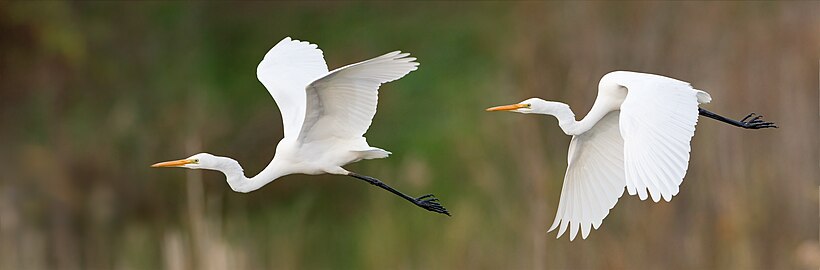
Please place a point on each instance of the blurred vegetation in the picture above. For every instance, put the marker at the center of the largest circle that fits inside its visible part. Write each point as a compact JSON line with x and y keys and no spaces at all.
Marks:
{"x":91,"y":93}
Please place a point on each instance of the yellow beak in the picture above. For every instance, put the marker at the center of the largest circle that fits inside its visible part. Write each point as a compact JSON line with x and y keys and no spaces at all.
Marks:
{"x":175,"y":163}
{"x":507,"y":107}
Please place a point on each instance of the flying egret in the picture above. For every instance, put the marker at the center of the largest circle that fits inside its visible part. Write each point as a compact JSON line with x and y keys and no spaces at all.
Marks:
{"x":636,"y":136}
{"x":324,"y":114}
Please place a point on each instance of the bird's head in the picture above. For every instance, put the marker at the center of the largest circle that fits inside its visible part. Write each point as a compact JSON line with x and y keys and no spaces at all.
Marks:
{"x":231,"y":168}
{"x":531,"y":105}
{"x":198,"y":161}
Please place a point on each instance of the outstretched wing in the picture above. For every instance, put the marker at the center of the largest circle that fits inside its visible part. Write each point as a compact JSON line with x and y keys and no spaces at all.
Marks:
{"x":594,"y":180}
{"x":342,"y":104}
{"x":658,"y":119}
{"x":285,"y":71}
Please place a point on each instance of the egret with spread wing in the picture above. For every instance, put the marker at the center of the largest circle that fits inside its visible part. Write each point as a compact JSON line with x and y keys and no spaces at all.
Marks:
{"x":636,"y":136}
{"x":324,"y":113}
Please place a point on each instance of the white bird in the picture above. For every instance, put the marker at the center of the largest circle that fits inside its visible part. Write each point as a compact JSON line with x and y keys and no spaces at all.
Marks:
{"x":324,"y":113}
{"x":636,"y":136}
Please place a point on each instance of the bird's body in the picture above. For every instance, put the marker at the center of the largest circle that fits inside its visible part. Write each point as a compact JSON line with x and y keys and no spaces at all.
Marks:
{"x":636,"y":136}
{"x":324,"y":114}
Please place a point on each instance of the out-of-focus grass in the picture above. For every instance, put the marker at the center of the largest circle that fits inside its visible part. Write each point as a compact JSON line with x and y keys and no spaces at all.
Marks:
{"x":92,"y":93}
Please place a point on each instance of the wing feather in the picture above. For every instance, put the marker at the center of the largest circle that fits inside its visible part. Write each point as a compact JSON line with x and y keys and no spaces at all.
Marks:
{"x":285,"y":71}
{"x":342,"y":103}
{"x":594,"y":179}
{"x":658,"y":119}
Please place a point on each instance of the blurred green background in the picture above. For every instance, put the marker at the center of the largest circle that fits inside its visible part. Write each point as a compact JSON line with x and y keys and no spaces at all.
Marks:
{"x":92,"y":93}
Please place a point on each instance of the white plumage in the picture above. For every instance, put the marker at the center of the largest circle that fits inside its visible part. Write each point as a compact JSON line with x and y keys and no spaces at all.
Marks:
{"x":316,"y":104}
{"x":342,"y":103}
{"x":324,"y":115}
{"x":636,"y":136}
{"x":594,"y":178}
{"x":285,"y":71}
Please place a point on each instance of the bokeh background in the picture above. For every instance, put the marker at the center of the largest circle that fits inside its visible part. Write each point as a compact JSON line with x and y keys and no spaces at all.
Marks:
{"x":91,"y":93}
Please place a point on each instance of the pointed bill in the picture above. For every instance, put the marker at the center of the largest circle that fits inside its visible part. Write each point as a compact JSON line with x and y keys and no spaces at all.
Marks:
{"x":511,"y":107}
{"x":174,"y":163}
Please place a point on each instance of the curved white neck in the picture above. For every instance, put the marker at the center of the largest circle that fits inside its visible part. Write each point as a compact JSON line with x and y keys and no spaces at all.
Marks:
{"x":239,"y":183}
{"x":566,"y":118}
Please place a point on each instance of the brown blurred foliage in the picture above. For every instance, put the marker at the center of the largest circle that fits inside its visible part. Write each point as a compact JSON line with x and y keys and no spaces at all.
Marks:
{"x":91,"y":93}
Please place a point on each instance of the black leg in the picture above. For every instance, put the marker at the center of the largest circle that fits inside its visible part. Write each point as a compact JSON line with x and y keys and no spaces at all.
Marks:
{"x":750,"y":121}
{"x":427,"y":201}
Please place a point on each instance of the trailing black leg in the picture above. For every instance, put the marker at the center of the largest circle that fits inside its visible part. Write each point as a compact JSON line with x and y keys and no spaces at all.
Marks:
{"x":427,"y":201}
{"x":751,"y":121}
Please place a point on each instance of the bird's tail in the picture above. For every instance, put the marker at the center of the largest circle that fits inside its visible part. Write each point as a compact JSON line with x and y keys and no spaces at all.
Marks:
{"x":702,"y":96}
{"x":373,"y":152}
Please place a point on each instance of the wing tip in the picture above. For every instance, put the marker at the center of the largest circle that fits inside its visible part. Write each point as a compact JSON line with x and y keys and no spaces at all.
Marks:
{"x":585,"y":229}
{"x":398,"y":55}
{"x":553,"y":227}
{"x":288,"y":39}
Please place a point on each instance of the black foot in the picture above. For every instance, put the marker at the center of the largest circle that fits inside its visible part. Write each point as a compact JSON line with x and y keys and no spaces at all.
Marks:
{"x":753,"y":121}
{"x":431,"y":204}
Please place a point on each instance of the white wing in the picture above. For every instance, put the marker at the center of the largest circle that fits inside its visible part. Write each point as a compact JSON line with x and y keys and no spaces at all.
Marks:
{"x":594,"y":180}
{"x":342,"y":104}
{"x":658,"y":120}
{"x":285,"y":71}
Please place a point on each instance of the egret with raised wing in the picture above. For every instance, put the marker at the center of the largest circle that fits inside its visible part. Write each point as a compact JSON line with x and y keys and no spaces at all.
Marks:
{"x":324,"y":113}
{"x":636,"y":136}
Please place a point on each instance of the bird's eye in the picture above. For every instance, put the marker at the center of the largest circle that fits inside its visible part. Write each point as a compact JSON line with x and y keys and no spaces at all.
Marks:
{"x":529,"y":105}
{"x":196,"y":161}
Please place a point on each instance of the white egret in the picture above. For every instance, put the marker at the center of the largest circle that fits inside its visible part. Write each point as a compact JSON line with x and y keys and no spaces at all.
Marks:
{"x":324,"y":113}
{"x":636,"y":136}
